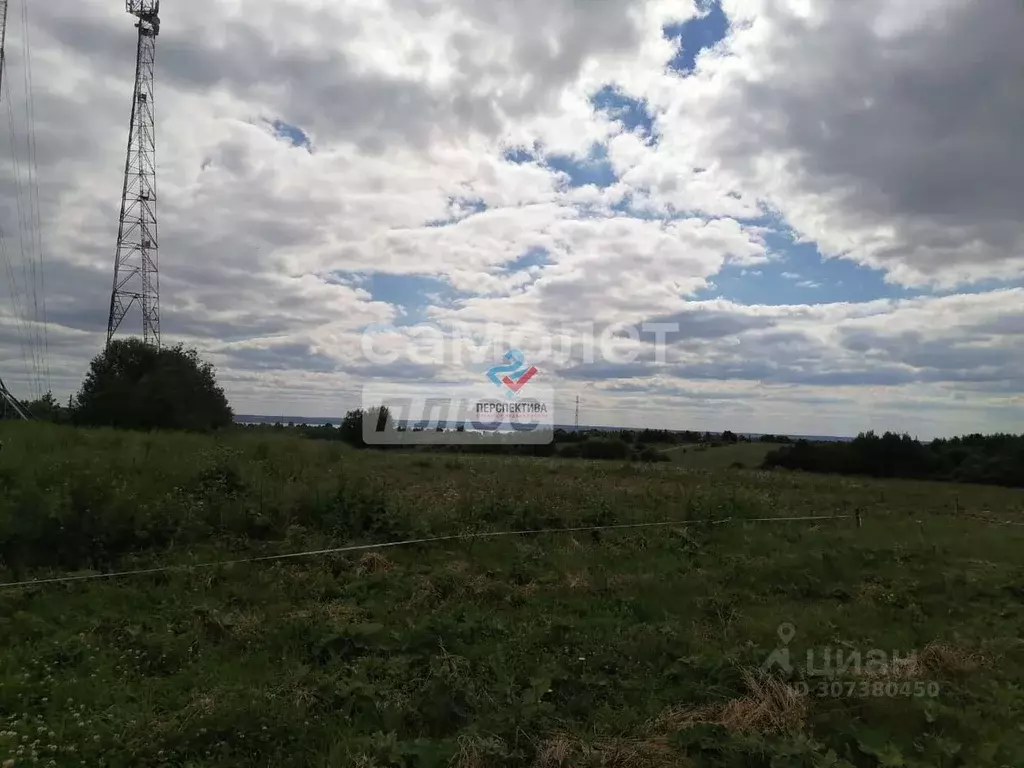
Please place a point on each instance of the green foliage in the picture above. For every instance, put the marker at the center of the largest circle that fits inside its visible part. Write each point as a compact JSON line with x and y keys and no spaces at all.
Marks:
{"x":604,"y":449}
{"x":608,"y":648}
{"x":90,"y":499}
{"x":991,"y":459}
{"x":359,"y":422}
{"x":46,"y":408}
{"x":719,"y":457}
{"x":134,"y":385}
{"x":610,"y":446}
{"x":650,"y":454}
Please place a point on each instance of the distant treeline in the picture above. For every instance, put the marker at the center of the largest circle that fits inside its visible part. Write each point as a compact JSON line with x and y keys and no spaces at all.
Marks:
{"x":669,"y":437}
{"x":621,"y":445}
{"x":990,"y":459}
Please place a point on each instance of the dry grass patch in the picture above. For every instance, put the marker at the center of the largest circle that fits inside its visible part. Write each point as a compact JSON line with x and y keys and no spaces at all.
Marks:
{"x":245,"y":625}
{"x":328,"y":610}
{"x":556,"y":752}
{"x":770,"y":706}
{"x":564,"y":751}
{"x":580,"y":580}
{"x":478,"y":752}
{"x":943,"y":658}
{"x":483,"y":585}
{"x":373,"y":562}
{"x":869,"y":591}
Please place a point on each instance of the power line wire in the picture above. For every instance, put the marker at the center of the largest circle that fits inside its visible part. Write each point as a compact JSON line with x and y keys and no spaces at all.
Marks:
{"x":15,"y":302}
{"x":25,"y":293}
{"x":21,"y":308}
{"x":34,"y":175}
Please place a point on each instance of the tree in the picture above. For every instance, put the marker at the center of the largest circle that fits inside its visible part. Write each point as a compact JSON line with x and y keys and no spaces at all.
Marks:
{"x":134,"y":385}
{"x":46,"y":408}
{"x":352,"y":425}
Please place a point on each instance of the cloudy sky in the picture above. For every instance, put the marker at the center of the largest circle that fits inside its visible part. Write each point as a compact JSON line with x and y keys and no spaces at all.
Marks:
{"x":827,"y":196}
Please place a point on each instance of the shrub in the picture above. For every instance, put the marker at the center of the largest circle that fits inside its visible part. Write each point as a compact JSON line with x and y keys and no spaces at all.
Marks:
{"x":46,"y":408}
{"x":134,"y":385}
{"x":647,"y":453}
{"x":353,"y":424}
{"x":604,"y":449}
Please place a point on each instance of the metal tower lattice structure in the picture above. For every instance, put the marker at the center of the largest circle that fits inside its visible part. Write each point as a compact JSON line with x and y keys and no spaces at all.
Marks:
{"x":3,"y":35}
{"x":136,"y":266}
{"x":8,"y":402}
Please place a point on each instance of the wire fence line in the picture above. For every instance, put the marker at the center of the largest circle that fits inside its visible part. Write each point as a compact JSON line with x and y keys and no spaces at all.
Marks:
{"x":990,"y":520}
{"x":408,"y":542}
{"x":451,"y":537}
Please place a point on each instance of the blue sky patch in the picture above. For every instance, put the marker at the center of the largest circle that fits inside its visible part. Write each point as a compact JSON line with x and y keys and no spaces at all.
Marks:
{"x":534,"y":257}
{"x":632,"y":113}
{"x":520,"y":155}
{"x":595,"y":169}
{"x":695,"y":35}
{"x":629,"y":206}
{"x":801,"y":275}
{"x":625,"y":208}
{"x":290,"y":133}
{"x":412,"y":294}
{"x":466,"y":206}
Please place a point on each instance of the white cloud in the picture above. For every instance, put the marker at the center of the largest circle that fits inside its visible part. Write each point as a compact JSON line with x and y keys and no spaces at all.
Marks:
{"x":881,"y":131}
{"x":884,"y":133}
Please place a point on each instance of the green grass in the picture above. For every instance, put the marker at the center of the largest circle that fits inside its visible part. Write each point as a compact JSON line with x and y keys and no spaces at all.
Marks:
{"x":613,"y":648}
{"x":750,"y":455}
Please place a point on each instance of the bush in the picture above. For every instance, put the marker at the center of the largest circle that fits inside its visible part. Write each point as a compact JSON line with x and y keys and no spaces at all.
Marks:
{"x":993,"y":459}
{"x":570,"y":451}
{"x":647,"y":453}
{"x":46,"y":408}
{"x":351,"y":430}
{"x":604,"y":449}
{"x":134,"y":385}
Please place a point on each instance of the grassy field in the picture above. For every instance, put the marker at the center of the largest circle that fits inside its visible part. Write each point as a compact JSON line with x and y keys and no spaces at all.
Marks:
{"x":750,"y":455}
{"x":629,"y":647}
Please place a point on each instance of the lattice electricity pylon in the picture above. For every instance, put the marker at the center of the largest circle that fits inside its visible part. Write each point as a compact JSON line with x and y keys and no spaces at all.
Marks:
{"x":9,"y":404}
{"x":3,"y":34}
{"x":136,"y":266}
